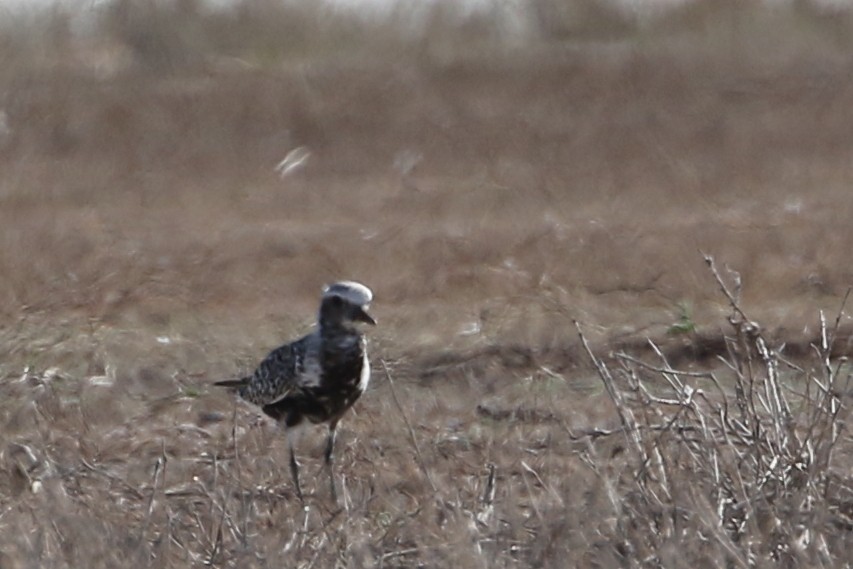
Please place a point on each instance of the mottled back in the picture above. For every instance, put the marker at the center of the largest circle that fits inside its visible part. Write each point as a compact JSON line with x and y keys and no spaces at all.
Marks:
{"x":319,"y":376}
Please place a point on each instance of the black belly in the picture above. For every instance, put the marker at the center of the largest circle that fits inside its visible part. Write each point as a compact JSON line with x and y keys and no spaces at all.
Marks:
{"x":317,"y":406}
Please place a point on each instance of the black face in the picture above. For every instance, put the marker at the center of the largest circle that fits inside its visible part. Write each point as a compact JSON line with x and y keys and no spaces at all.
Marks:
{"x":359,"y":314}
{"x":336,"y":310}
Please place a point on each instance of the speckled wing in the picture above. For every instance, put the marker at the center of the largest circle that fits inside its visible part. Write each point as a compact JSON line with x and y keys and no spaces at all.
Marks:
{"x":287,"y":368}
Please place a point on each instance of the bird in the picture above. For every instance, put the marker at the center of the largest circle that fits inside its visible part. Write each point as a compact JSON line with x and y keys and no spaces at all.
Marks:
{"x":318,"y":377}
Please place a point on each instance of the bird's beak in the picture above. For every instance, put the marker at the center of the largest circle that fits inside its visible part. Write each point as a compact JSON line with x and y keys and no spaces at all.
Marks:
{"x":362,"y":316}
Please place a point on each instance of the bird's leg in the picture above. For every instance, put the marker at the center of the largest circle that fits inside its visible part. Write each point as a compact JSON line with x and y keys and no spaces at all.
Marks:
{"x":294,"y":471}
{"x":330,"y":447}
{"x":294,"y":466}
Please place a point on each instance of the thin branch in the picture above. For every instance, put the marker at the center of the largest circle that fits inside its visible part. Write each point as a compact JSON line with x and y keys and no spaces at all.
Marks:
{"x":414,"y":438}
{"x":733,"y":301}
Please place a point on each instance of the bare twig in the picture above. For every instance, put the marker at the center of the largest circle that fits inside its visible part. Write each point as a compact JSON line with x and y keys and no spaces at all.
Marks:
{"x":734,"y":302}
{"x":626,"y":416}
{"x":772,"y":459}
{"x":159,"y":470}
{"x":412,"y":435}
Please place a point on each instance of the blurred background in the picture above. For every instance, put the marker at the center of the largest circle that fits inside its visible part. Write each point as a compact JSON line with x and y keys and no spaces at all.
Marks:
{"x":189,"y":168}
{"x":476,"y":163}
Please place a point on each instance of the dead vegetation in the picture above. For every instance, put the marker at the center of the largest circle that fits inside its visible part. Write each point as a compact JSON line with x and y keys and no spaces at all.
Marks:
{"x":745,"y":465}
{"x":149,"y":245}
{"x":749,"y":461}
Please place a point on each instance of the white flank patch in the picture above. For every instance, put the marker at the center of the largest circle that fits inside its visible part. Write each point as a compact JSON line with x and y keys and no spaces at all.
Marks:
{"x":365,"y":374}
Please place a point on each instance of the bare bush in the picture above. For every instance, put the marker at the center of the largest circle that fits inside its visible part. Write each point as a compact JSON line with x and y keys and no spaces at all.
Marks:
{"x":740,"y":463}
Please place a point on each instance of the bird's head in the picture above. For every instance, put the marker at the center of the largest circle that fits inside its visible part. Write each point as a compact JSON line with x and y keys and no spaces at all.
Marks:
{"x":345,"y":303}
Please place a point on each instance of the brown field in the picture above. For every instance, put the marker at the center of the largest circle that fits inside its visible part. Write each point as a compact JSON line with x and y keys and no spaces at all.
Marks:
{"x":490,"y":197}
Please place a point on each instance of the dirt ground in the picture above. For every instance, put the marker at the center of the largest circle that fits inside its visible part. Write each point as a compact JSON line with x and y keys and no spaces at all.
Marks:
{"x":150,"y":246}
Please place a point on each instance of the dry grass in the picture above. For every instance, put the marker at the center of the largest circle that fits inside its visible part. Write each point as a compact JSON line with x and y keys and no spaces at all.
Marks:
{"x":148,"y":246}
{"x":753,"y":465}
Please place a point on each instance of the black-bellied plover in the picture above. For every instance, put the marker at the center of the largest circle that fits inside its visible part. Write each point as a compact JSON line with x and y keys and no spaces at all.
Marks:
{"x":319,"y":376}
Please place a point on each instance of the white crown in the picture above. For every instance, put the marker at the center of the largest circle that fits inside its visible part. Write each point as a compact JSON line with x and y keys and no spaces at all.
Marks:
{"x":353,"y":292}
